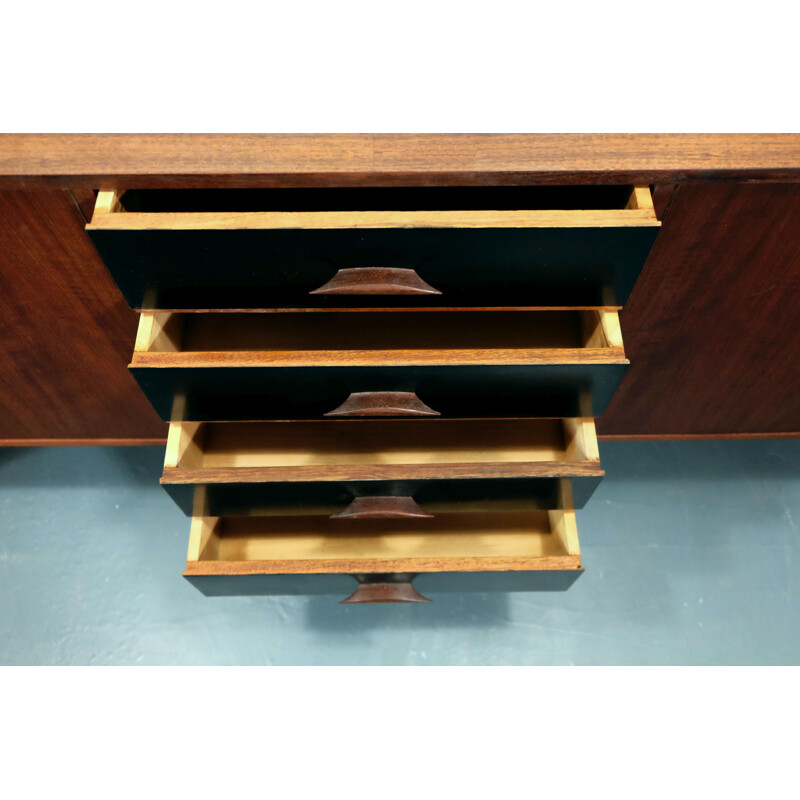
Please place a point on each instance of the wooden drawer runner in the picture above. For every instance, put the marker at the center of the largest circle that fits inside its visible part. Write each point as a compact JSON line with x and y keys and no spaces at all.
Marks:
{"x":512,"y":551}
{"x":222,"y":366}
{"x":252,"y":467}
{"x":427,"y":247}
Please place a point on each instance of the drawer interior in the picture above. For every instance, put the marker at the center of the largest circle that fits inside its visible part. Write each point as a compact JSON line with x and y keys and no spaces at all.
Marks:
{"x":518,"y":540}
{"x":426,"y":198}
{"x":372,"y":449}
{"x":456,"y":207}
{"x":330,"y":338}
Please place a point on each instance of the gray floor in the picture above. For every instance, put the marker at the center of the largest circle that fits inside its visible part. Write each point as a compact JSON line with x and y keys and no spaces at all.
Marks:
{"x":690,"y":551}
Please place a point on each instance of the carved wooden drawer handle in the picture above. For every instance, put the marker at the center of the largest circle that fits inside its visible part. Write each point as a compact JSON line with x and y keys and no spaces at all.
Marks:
{"x":376,"y":280}
{"x":389,"y":507}
{"x":383,"y":404}
{"x":378,"y":588}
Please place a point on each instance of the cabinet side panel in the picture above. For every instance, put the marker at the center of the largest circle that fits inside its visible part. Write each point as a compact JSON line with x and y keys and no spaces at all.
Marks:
{"x":712,"y":328}
{"x":66,"y":334}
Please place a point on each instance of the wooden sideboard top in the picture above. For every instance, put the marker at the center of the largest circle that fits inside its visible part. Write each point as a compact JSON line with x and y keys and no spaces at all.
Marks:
{"x":98,"y":160}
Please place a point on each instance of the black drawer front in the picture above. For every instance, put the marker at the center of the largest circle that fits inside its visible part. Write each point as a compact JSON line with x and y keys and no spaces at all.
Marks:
{"x":246,"y":499}
{"x":264,"y":393}
{"x":483,"y":267}
{"x":428,"y":584}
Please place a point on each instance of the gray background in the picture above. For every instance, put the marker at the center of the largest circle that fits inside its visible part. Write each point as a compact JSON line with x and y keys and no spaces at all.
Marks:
{"x":690,"y":551}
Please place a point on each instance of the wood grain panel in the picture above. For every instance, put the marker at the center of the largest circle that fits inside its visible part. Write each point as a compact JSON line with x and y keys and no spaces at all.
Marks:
{"x":362,"y":220}
{"x":65,"y":332}
{"x":383,"y":565}
{"x":249,"y":160}
{"x":382,"y":472}
{"x":85,"y":200}
{"x":712,"y":328}
{"x":662,"y":196}
{"x":380,"y":358}
{"x":589,"y":158}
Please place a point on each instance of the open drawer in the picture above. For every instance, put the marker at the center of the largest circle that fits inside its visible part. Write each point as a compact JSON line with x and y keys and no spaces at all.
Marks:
{"x":225,"y":366}
{"x":373,"y":469}
{"x":510,"y":551}
{"x":399,"y":247}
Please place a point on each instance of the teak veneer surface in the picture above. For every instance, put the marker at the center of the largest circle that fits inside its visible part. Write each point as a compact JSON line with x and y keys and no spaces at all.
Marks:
{"x":65,"y":332}
{"x":323,"y":220}
{"x":248,"y":160}
{"x":712,"y":328}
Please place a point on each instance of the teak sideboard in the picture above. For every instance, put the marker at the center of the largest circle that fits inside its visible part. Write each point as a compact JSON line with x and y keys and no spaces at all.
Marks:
{"x":380,"y":356}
